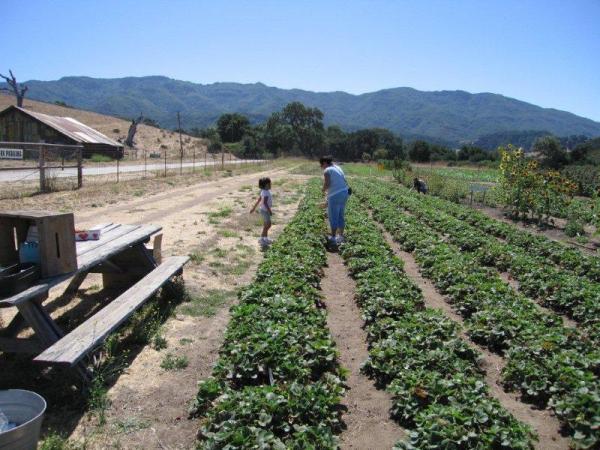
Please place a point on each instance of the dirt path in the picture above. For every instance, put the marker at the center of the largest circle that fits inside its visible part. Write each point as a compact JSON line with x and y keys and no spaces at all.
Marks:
{"x":542,"y":422}
{"x":147,"y":405}
{"x":153,"y":400}
{"x":178,"y":199}
{"x":367,"y":418}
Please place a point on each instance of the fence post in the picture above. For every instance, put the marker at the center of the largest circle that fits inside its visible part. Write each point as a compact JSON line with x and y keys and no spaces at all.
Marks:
{"x":165,"y":162}
{"x":42,"y":168}
{"x":79,"y":168}
{"x":117,"y":170}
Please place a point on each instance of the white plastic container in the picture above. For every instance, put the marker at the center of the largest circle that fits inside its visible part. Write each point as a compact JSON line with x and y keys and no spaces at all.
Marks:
{"x":26,"y":409}
{"x":87,"y":235}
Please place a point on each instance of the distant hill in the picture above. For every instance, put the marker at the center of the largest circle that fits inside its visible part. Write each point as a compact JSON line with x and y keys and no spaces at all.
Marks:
{"x":524,"y":138}
{"x":446,"y":116}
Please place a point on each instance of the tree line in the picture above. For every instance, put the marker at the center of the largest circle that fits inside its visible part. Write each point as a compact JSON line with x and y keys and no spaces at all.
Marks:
{"x":298,"y":130}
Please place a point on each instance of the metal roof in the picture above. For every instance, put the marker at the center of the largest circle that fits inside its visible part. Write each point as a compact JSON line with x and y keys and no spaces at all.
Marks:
{"x":72,"y":128}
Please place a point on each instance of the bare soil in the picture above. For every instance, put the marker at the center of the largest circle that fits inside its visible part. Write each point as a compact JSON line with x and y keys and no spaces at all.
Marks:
{"x":367,"y":417}
{"x":543,"y":422}
{"x":209,"y":220}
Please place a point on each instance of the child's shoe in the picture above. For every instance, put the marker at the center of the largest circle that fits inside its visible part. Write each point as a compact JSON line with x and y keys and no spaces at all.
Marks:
{"x":339,"y":239}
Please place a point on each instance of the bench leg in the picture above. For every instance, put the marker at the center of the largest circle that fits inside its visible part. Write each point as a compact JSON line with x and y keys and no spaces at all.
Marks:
{"x":75,"y":283}
{"x":15,"y":325}
{"x":46,"y":330}
{"x":157,"y":248}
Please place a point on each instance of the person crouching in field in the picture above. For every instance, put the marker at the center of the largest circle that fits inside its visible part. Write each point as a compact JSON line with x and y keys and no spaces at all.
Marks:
{"x":265,"y":200}
{"x":419,"y":186}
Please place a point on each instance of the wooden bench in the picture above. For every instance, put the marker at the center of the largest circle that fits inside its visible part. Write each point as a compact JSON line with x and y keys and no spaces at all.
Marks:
{"x":70,"y":349}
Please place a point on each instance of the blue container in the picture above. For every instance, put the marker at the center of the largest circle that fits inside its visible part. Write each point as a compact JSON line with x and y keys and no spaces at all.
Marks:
{"x":29,"y":252}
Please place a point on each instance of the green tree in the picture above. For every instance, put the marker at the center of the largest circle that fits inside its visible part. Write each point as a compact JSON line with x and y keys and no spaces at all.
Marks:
{"x":474,"y":154}
{"x":215,"y":145}
{"x":278,"y":136}
{"x":231,"y":127}
{"x":419,"y":151}
{"x":361,"y":143}
{"x":249,"y":146}
{"x":336,"y":142}
{"x":390,"y":142}
{"x":441,"y":153}
{"x":550,"y":152}
{"x":307,"y":125}
{"x":381,"y":154}
{"x":210,"y":133}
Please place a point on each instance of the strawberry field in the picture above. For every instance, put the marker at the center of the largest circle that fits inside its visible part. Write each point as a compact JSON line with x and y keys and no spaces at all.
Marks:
{"x":532,"y":302}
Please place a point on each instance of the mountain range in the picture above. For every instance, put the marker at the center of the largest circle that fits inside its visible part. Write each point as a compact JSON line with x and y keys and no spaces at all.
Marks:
{"x":444,"y":116}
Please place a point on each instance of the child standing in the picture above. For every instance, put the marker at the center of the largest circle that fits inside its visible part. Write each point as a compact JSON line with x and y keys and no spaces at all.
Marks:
{"x":265,"y":200}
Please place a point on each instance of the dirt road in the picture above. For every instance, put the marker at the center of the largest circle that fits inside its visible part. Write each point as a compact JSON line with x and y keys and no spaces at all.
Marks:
{"x":147,"y":405}
{"x":33,"y":174}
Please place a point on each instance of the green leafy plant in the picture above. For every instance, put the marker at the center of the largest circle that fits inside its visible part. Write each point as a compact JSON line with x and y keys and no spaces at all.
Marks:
{"x":173,"y":362}
{"x":277,"y":352}
{"x":437,"y":387}
{"x":548,"y":363}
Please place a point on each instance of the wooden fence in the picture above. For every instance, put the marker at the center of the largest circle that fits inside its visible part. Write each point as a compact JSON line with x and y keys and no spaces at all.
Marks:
{"x":43,"y":157}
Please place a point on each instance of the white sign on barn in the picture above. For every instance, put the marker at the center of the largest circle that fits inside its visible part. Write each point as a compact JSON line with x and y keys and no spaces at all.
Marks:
{"x":11,"y":153}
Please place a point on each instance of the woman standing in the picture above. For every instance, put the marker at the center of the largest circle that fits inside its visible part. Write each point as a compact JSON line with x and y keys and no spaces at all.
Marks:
{"x":336,"y":187}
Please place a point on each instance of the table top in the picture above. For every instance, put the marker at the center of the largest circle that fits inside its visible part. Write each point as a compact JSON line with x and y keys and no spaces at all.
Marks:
{"x":114,"y":238}
{"x":31,"y":214}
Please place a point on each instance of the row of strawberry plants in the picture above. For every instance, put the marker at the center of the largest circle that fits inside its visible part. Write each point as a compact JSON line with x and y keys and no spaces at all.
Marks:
{"x":569,"y":258}
{"x":433,"y":375}
{"x":277,"y":383}
{"x":549,"y":364}
{"x":563,"y":292}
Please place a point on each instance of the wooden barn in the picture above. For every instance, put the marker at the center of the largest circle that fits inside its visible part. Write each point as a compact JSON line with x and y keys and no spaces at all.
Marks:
{"x":22,"y":125}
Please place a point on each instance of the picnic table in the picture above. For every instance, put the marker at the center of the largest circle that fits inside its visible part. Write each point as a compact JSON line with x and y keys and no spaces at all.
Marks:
{"x":124,"y":261}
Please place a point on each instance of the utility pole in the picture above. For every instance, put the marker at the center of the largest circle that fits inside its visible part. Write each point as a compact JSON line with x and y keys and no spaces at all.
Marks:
{"x":180,"y":145}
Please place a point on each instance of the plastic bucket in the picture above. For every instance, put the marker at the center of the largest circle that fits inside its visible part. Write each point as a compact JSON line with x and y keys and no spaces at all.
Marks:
{"x":26,"y":409}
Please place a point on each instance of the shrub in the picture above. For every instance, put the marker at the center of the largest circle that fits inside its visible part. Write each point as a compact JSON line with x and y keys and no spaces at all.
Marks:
{"x":380,"y":154}
{"x":574,"y":228}
{"x":100,"y":158}
{"x":587,"y":178}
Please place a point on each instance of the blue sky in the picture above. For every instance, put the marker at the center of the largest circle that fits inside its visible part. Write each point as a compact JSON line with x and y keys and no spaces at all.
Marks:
{"x":543,"y":52}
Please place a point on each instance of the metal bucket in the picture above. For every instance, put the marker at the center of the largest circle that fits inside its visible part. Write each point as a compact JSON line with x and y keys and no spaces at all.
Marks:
{"x":26,"y":409}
